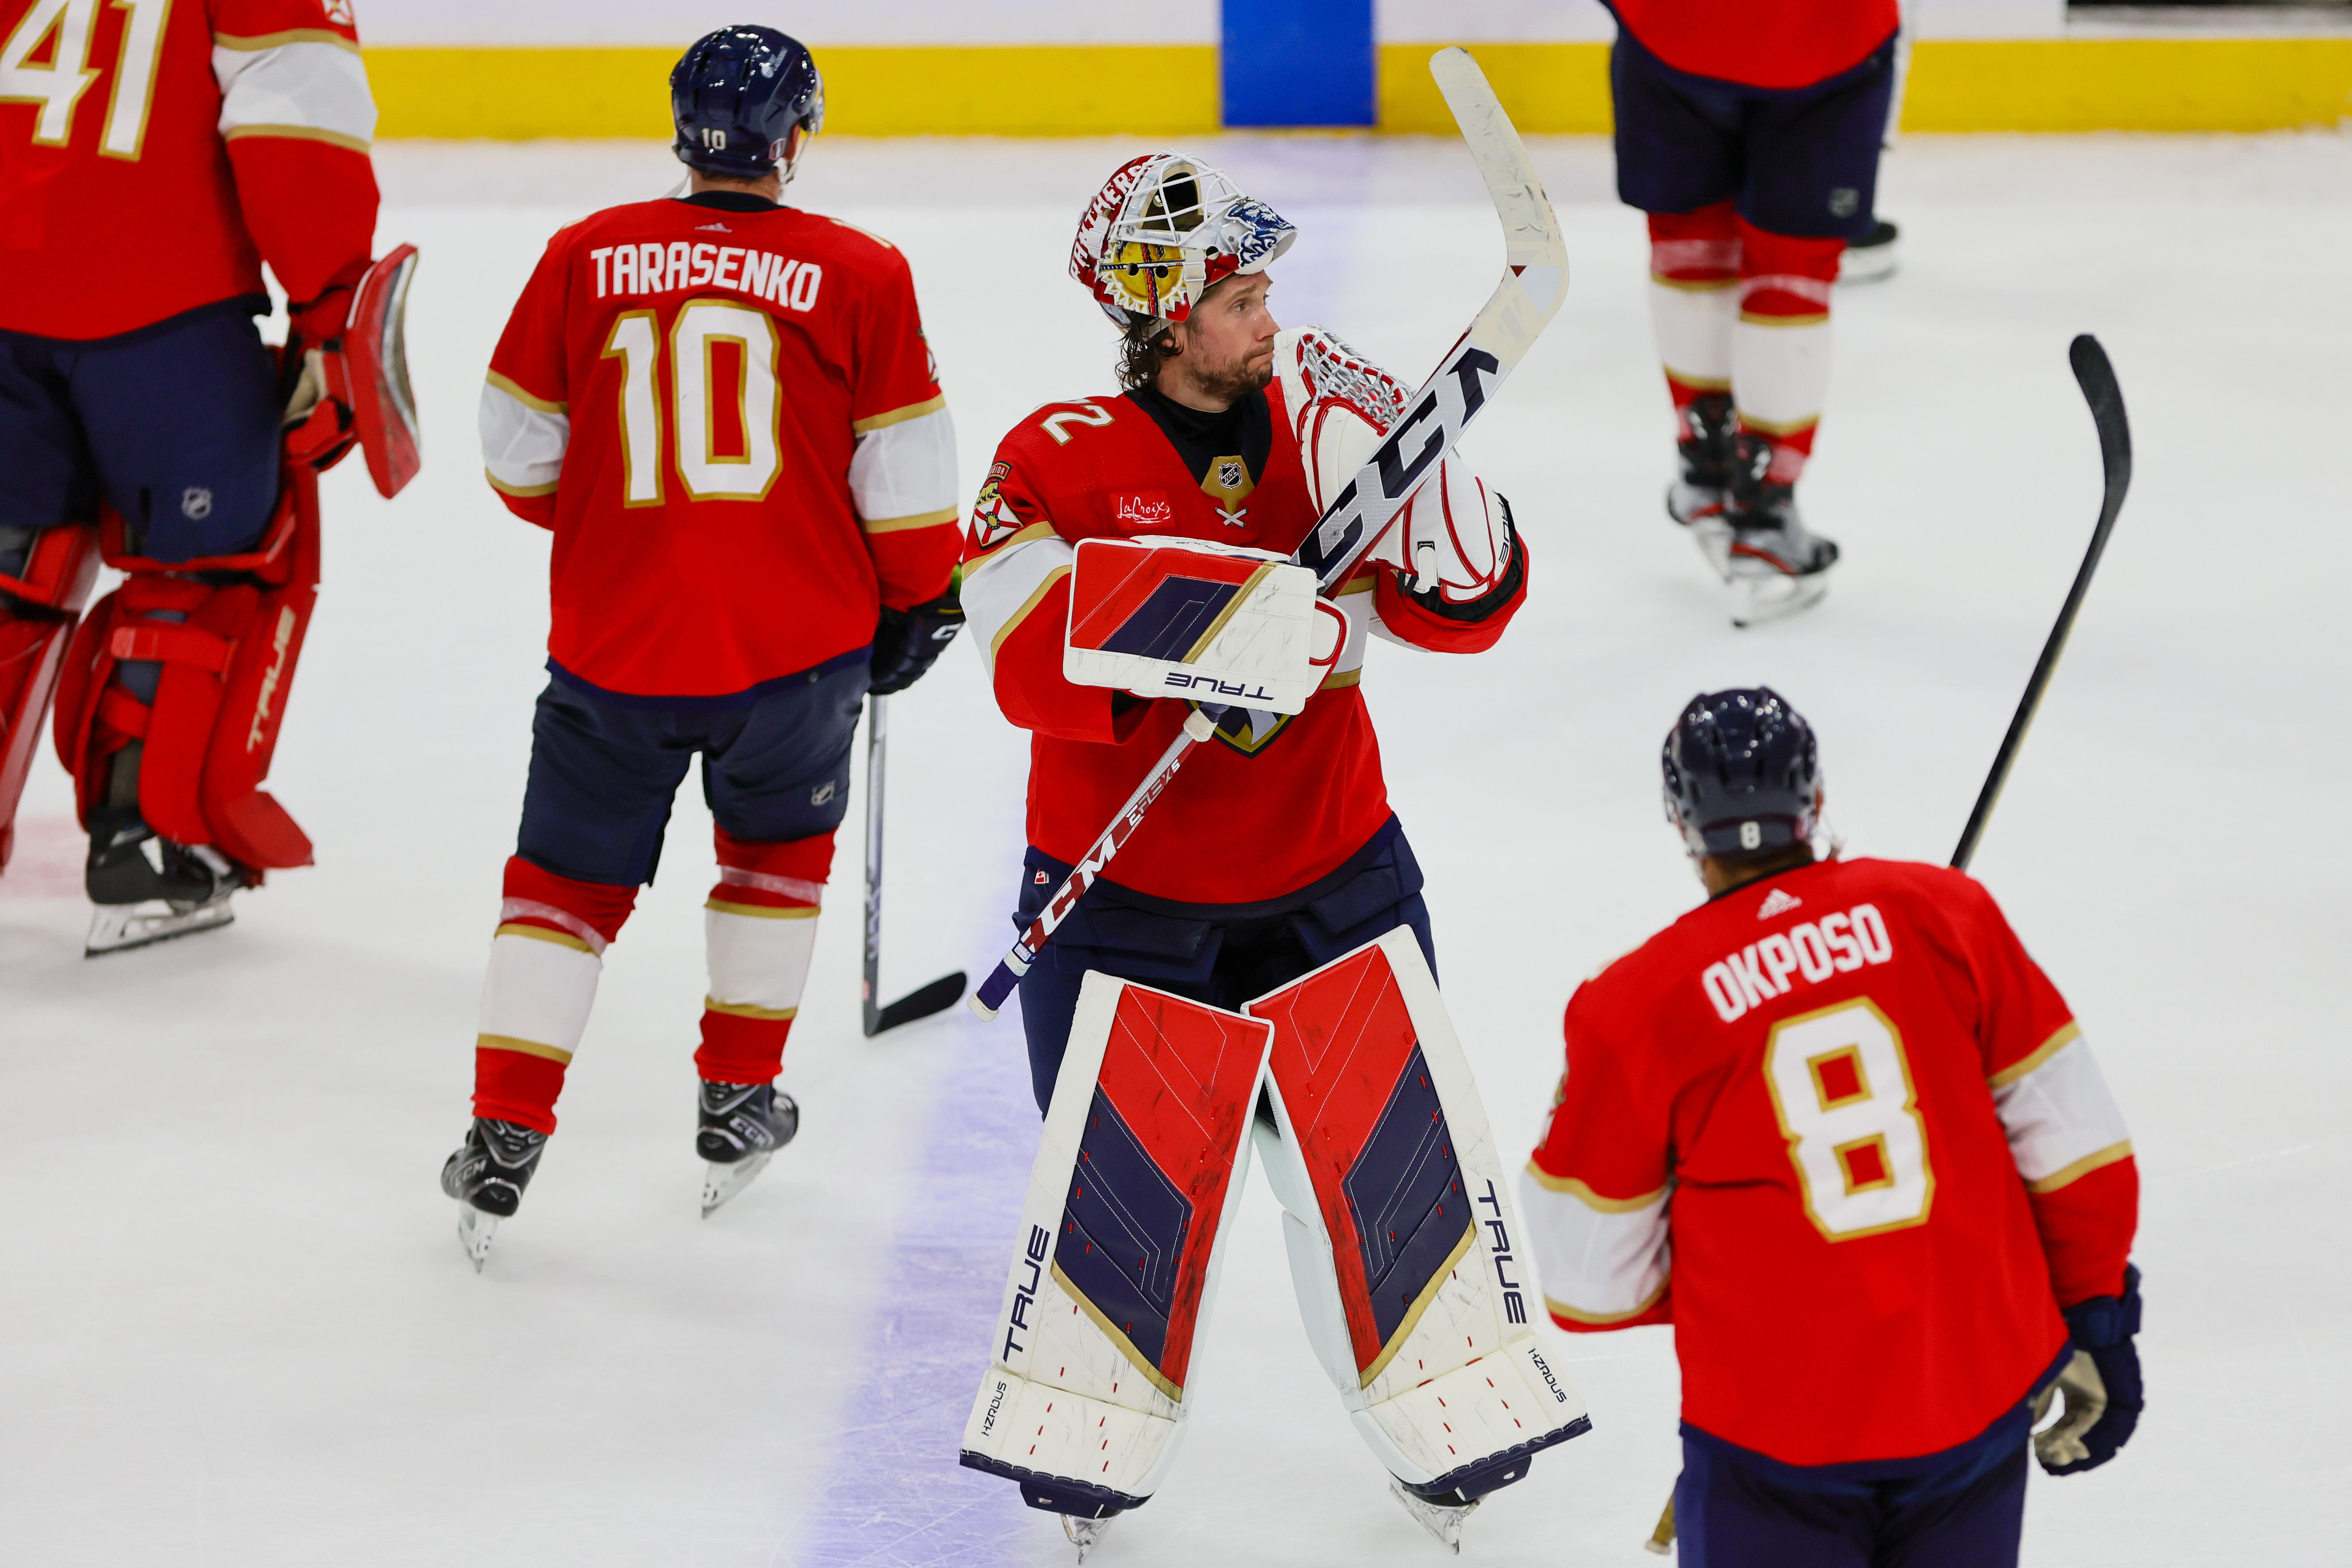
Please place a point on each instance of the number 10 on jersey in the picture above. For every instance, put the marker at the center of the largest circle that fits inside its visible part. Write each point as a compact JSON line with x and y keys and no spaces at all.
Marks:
{"x":708,"y":409}
{"x":1842,"y":1090}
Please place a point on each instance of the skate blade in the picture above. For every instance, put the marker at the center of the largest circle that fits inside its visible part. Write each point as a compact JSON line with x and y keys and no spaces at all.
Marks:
{"x":119,"y":927}
{"x":475,"y":1230}
{"x":721,"y":1183}
{"x":1444,"y":1524}
{"x":1871,"y":264}
{"x":1086,"y":1534}
{"x":1713,"y":537}
{"x":1759,"y":599}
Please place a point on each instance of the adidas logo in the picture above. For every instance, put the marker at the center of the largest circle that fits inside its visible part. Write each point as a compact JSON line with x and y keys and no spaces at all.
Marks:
{"x":714,"y":228}
{"x":1777,"y":902}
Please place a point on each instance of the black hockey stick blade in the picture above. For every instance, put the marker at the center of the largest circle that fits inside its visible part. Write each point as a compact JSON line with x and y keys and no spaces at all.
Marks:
{"x":937,"y":997}
{"x":2097,"y":379}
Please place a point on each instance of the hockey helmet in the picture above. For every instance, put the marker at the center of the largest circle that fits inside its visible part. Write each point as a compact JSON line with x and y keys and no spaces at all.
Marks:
{"x":745,"y":99}
{"x":1743,"y":774}
{"x":1165,"y":230}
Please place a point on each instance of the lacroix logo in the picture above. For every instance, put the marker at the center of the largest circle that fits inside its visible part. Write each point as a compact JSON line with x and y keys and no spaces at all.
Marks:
{"x":1143,"y":509}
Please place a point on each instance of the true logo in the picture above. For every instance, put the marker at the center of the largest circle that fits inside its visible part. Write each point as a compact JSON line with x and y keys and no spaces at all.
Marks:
{"x":1026,"y":1296}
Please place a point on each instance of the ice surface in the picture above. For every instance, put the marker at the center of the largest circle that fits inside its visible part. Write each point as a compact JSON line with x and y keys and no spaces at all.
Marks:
{"x":235,"y":1327}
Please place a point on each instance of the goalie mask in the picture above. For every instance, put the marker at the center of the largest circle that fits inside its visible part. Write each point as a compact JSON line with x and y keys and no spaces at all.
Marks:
{"x":1164,"y":231}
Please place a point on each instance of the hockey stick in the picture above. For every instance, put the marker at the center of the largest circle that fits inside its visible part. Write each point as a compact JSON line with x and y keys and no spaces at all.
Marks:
{"x":1535,"y":280}
{"x":940,"y":992}
{"x":2097,"y":379}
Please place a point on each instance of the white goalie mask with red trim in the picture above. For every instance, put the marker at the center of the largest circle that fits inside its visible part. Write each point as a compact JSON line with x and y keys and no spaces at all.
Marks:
{"x":1165,"y":230}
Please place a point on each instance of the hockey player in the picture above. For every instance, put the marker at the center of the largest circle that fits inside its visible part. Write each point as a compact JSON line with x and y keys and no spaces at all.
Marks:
{"x":725,"y":411}
{"x":1751,"y":137}
{"x":135,"y":389}
{"x":1840,"y":1129}
{"x":1274,"y":853}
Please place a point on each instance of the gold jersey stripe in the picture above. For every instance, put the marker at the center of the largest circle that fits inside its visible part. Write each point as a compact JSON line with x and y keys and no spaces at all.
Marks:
{"x":745,"y":1010}
{"x":1030,"y":604}
{"x":902,"y":524}
{"x":895,"y":416}
{"x":513,"y":389}
{"x":254,"y":42}
{"x":1587,"y":1196}
{"x":521,"y":1047}
{"x":2080,"y":1168}
{"x":297,"y":133}
{"x":2066,"y":1034}
{"x":541,"y":933}
{"x":504,"y":488}
{"x":1344,"y":677}
{"x":1602,"y":1320}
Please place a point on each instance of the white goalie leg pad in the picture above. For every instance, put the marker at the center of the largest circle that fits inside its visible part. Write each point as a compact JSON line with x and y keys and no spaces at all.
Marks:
{"x":759,"y":956}
{"x":1130,"y":1200}
{"x":537,"y":991}
{"x":1179,"y":617}
{"x":1403,"y":1244}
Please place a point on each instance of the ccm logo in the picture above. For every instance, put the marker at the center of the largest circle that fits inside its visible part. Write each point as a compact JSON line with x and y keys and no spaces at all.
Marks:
{"x":1182,"y":681}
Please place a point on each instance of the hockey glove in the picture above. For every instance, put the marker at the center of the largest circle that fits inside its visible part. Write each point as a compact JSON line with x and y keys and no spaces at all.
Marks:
{"x":2101,"y":1385}
{"x":906,"y":642}
{"x":318,"y":428}
{"x":1486,"y":591}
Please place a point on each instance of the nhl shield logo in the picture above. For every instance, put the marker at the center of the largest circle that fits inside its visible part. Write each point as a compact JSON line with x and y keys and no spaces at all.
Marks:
{"x":1231,"y":473}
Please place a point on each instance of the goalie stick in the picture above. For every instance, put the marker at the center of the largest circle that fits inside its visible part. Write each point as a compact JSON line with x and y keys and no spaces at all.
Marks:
{"x":1534,"y":282}
{"x":940,"y":992}
{"x":2096,"y":378}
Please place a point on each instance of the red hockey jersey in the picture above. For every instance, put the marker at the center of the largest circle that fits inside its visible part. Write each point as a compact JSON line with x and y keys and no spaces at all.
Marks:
{"x":1272,"y":803}
{"x":152,"y":155}
{"x":1773,"y":44}
{"x":728,"y":415}
{"x":1841,"y":1132}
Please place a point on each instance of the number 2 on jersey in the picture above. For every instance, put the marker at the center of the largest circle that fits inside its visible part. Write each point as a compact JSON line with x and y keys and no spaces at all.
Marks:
{"x":58,"y":83}
{"x":697,"y":400}
{"x":1842,"y":1090}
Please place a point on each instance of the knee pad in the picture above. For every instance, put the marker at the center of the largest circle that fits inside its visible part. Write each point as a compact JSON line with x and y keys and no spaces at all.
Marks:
{"x":227,"y":648}
{"x":38,"y":609}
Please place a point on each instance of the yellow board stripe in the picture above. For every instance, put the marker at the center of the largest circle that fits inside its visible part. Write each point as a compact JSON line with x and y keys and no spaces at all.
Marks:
{"x":1587,"y":1196}
{"x":2080,"y":1168}
{"x":541,"y":933}
{"x":524,"y":1047}
{"x":912,"y":410}
{"x":763,"y":911}
{"x":745,"y":1010}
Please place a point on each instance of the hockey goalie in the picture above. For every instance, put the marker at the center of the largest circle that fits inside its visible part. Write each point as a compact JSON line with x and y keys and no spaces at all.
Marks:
{"x":1259,"y":977}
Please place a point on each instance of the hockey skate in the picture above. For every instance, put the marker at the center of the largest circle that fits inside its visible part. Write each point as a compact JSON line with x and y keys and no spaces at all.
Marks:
{"x":486,"y":1175}
{"x":1443,"y":1520}
{"x":744,"y":1125}
{"x":1872,"y":257}
{"x":1086,"y":1534}
{"x":148,"y":890}
{"x":1774,"y":566}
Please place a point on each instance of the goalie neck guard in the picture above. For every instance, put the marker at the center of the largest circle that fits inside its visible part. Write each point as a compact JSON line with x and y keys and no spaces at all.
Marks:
{"x":745,"y":99}
{"x":1743,"y":774}
{"x":1165,"y":230}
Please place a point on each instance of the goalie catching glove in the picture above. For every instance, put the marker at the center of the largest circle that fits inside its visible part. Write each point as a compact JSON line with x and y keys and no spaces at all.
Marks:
{"x":351,"y":387}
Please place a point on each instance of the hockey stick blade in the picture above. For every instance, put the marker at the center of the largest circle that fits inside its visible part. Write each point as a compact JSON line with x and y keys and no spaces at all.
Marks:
{"x":2096,"y":378}
{"x":937,"y":997}
{"x":1534,"y":282}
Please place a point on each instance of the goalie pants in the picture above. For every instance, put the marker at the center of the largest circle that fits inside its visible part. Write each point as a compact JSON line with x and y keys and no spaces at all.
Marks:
{"x":1962,"y":1508}
{"x":176,"y":423}
{"x":1222,"y":954}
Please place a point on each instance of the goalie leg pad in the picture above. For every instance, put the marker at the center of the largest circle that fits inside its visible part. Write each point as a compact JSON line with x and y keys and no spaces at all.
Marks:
{"x":1130,"y":1201}
{"x":1402,"y":1238}
{"x":198,"y":674}
{"x":43,"y":584}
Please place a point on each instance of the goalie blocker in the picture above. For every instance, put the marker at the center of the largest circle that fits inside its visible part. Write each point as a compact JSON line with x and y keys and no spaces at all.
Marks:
{"x":1403,"y":1242}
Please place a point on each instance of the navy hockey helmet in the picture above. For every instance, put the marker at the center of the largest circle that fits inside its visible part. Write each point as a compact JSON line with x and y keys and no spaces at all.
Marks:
{"x":745,"y":99}
{"x":1743,"y":774}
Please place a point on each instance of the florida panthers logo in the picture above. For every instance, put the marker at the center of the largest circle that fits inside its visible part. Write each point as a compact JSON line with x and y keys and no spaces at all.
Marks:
{"x":992,"y":521}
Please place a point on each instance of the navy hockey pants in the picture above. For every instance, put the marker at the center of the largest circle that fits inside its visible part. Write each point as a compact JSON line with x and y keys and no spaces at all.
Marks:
{"x":1223,"y":955}
{"x":603,"y":770}
{"x":1962,"y":1508}
{"x":177,"y":423}
{"x":1800,"y":162}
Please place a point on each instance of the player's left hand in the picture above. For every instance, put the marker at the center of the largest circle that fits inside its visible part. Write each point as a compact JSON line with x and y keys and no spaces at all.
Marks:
{"x":2102,"y":1385}
{"x":1466,"y":560}
{"x":318,"y":428}
{"x":907,"y":642}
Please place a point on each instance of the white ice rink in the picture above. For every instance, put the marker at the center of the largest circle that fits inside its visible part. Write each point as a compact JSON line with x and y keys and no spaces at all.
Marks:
{"x":236,"y":1329}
